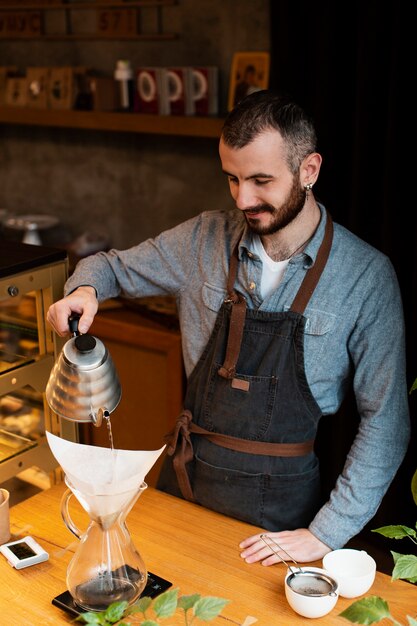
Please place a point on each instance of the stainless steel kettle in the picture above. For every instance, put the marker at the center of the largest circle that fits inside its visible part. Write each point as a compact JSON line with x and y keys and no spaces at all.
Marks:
{"x":83,"y":385}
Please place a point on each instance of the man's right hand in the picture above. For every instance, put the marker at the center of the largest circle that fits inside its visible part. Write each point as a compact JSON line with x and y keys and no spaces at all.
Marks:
{"x":83,"y":301}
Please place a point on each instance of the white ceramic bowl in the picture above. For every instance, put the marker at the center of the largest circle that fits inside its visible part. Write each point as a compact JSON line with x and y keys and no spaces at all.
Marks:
{"x":303,"y":602}
{"x":354,"y":570}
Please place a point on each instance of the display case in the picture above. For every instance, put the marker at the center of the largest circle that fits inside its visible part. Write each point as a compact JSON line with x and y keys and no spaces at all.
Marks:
{"x":31,"y":278}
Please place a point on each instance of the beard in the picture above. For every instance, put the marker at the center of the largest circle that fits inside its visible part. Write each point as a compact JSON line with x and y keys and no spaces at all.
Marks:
{"x":281,"y":216}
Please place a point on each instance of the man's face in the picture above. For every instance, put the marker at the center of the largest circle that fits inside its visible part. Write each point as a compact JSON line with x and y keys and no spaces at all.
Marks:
{"x":261,"y":183}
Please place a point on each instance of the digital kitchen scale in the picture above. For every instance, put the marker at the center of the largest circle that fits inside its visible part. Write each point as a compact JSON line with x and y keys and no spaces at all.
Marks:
{"x":154,"y":587}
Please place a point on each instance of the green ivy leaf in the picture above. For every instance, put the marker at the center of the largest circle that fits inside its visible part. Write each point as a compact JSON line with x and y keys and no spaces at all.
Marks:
{"x":414,"y":386}
{"x":405,"y":567}
{"x":209,"y":607}
{"x":149,"y":622}
{"x":115,"y":611}
{"x":414,"y":486}
{"x":92,"y":618}
{"x":187,"y":602}
{"x":165,"y":605}
{"x":395,"y":532}
{"x":366,"y":611}
{"x":140,"y":606}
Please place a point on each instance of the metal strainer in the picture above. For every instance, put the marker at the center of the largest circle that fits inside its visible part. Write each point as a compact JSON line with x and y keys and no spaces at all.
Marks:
{"x":303,"y":581}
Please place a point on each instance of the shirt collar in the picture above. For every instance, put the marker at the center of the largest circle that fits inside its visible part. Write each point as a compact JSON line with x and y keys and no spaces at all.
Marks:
{"x":311,"y":249}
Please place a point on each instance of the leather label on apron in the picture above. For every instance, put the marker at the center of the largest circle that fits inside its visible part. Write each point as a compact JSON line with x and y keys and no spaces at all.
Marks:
{"x":238,"y":383}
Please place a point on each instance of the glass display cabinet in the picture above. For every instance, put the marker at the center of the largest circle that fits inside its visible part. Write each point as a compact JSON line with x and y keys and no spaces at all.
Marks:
{"x":31,"y":278}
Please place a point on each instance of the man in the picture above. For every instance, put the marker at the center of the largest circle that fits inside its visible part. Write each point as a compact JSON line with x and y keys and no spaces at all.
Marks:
{"x":281,"y":311}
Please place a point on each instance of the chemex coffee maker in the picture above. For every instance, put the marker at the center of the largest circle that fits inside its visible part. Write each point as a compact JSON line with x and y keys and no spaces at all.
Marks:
{"x":84,"y":387}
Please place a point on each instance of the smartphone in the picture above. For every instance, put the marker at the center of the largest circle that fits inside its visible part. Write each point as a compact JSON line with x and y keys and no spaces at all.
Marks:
{"x":154,"y":586}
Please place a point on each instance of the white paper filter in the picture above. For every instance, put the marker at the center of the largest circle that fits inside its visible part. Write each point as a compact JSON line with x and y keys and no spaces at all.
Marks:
{"x":97,"y":471}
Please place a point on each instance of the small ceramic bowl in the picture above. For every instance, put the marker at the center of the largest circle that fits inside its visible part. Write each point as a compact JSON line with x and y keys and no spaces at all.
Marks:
{"x":354,"y":571}
{"x":308,"y":595}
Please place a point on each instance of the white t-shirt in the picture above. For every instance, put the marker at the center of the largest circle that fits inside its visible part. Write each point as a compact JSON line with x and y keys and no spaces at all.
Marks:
{"x":272,"y":271}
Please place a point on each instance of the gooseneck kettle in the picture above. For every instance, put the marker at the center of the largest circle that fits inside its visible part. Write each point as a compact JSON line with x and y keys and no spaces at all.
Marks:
{"x":83,"y":385}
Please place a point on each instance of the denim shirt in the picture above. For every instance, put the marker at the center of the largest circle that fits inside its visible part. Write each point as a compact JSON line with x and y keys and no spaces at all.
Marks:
{"x":354,"y":333}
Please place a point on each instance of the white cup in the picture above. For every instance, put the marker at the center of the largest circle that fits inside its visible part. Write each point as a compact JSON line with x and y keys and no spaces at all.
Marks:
{"x":4,"y":516}
{"x":354,"y":570}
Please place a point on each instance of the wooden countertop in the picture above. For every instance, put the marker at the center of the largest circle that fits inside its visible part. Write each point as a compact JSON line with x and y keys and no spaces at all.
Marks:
{"x":193,"y":547}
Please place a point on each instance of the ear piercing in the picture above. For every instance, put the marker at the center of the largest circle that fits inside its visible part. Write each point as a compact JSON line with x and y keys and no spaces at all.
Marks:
{"x":308,"y":186}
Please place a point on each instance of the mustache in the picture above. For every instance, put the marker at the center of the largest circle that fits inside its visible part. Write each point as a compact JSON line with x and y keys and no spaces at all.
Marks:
{"x":260,"y":207}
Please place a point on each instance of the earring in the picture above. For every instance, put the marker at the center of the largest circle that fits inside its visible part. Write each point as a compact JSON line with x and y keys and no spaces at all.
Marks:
{"x":308,"y":186}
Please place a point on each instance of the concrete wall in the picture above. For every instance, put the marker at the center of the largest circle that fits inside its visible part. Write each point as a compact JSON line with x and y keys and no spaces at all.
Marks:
{"x":127,"y":186}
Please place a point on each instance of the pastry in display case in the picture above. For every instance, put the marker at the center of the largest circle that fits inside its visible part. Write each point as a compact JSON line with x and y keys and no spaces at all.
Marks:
{"x":31,"y":278}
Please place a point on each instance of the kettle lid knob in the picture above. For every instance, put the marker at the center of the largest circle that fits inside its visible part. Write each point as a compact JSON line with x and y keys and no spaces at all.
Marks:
{"x":85,"y":343}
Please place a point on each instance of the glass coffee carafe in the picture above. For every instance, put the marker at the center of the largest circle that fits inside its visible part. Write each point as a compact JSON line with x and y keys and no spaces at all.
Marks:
{"x":106,"y":566}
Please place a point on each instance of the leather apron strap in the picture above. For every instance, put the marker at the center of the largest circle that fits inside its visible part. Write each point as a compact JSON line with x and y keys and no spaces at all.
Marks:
{"x":312,"y":277}
{"x":237,"y":321}
{"x":184,"y":453}
{"x":237,"y":318}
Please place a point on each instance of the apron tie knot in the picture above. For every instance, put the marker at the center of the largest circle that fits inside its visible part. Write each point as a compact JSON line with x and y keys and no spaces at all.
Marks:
{"x":182,"y":427}
{"x":184,"y":451}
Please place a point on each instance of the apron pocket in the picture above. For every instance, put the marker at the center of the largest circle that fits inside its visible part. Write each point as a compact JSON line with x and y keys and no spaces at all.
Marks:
{"x":291,"y":500}
{"x":246,"y":414}
{"x":232,"y":493}
{"x":277,"y":502}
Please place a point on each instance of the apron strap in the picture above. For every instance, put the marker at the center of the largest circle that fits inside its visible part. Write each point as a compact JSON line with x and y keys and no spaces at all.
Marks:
{"x":234,"y":338}
{"x":237,"y":321}
{"x":312,"y":277}
{"x":184,"y":452}
{"x":237,"y":317}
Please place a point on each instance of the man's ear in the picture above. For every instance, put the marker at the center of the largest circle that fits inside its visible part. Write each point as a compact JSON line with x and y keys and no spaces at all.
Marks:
{"x":310,"y":169}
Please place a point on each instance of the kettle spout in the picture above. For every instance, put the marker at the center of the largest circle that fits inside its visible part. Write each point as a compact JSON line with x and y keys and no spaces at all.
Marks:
{"x":97,"y":418}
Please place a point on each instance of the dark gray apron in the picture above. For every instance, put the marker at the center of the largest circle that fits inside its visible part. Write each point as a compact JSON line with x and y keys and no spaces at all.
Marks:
{"x":244,"y":443}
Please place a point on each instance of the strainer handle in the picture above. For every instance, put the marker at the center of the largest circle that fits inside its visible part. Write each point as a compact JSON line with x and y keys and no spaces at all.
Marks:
{"x":66,"y":514}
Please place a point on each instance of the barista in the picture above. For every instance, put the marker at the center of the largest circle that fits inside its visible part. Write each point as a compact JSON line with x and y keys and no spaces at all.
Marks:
{"x":281,"y":310}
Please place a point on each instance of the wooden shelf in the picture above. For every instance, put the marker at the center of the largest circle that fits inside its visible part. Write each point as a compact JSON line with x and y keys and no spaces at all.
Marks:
{"x":108,"y":19}
{"x":119,"y":122}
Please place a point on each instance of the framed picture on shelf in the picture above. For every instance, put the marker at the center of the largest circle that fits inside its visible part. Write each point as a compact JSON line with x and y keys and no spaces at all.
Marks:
{"x":249,"y":73}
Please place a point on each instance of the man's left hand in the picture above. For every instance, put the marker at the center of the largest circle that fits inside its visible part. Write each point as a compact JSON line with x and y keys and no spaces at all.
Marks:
{"x":300,"y":544}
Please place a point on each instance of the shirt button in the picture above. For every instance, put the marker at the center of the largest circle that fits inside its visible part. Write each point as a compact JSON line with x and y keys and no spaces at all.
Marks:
{"x":250,"y":255}
{"x":252,"y":286}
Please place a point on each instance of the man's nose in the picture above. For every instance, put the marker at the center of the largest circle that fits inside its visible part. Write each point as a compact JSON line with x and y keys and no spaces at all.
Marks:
{"x":244,"y":198}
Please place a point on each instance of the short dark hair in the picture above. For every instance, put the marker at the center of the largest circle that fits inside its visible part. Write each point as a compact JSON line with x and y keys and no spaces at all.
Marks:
{"x":263,"y":110}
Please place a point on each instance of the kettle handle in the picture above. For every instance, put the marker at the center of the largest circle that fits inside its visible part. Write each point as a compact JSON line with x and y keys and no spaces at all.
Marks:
{"x":73,"y":320}
{"x":66,"y":514}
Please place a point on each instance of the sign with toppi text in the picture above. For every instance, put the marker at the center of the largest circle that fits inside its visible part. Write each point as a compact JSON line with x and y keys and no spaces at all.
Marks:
{"x":20,"y":24}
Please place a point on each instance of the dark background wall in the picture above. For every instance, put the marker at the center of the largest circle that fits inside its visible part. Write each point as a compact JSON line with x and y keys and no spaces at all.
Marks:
{"x":350,"y":65}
